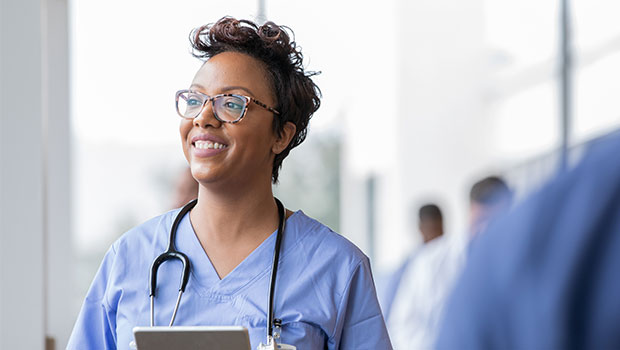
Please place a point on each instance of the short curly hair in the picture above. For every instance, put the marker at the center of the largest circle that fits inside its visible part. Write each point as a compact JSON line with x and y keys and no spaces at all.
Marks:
{"x":298,"y":97}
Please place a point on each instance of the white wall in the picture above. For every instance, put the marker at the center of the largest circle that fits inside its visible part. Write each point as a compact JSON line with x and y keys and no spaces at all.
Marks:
{"x":35,"y":279}
{"x":370,"y":112}
{"x":443,"y":124}
{"x":60,"y":276}
{"x":22,"y":323}
{"x":421,"y":129}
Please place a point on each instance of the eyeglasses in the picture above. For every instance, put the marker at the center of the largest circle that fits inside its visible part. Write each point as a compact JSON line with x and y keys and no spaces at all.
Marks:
{"x":227,"y":108}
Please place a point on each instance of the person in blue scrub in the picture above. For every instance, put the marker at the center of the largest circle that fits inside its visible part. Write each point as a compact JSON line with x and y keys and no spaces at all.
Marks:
{"x":246,"y":108}
{"x":547,"y":276}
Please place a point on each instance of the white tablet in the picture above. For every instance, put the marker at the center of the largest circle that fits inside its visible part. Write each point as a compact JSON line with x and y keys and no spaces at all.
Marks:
{"x":192,"y":338}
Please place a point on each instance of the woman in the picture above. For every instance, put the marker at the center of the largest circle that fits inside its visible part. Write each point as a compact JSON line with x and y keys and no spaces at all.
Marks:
{"x":247,"y":107}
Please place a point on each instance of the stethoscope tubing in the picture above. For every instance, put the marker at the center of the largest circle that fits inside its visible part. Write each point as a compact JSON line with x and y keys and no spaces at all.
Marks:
{"x":274,"y":270}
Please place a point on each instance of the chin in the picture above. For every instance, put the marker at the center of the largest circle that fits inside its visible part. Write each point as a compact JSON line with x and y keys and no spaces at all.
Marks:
{"x":204,"y":175}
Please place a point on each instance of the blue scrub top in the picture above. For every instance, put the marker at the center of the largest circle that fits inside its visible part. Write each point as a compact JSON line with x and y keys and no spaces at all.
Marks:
{"x":547,"y":276}
{"x":325,"y":294}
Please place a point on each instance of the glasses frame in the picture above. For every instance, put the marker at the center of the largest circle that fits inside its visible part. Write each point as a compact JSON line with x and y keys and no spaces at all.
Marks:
{"x":211,"y":99}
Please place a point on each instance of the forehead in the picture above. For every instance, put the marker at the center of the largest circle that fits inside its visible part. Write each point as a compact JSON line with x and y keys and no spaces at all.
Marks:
{"x":233,"y":69}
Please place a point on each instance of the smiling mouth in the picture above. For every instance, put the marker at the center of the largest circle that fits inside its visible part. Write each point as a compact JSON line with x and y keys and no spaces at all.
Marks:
{"x":209,"y":145}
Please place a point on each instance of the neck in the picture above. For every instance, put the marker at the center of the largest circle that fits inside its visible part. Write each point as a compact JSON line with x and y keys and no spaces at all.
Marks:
{"x":230,"y":216}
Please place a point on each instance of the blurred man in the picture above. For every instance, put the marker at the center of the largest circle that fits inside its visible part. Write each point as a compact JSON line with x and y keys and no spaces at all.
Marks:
{"x":430,"y":224}
{"x":547,"y":275}
{"x":418,"y":305}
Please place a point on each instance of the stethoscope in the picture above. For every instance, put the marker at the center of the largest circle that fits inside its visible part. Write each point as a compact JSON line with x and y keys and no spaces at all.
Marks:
{"x":171,"y":253}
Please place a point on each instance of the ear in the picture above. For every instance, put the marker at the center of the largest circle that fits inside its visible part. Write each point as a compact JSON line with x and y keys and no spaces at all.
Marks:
{"x":285,"y":138}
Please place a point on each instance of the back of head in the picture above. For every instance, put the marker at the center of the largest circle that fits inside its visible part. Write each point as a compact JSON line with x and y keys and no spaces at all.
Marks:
{"x":490,"y":191}
{"x":487,"y":198}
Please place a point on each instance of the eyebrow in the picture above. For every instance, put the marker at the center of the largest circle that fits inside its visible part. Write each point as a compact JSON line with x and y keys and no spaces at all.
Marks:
{"x":226,"y":88}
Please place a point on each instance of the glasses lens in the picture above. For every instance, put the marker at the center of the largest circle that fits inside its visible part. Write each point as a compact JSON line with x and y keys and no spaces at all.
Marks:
{"x":229,"y":108}
{"x":189,"y":104}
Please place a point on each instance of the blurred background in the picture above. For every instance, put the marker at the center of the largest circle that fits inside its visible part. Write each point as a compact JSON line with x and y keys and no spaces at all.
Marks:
{"x":420,"y":100}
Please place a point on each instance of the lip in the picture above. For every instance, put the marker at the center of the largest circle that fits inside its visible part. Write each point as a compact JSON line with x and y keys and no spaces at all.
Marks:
{"x":209,"y":152}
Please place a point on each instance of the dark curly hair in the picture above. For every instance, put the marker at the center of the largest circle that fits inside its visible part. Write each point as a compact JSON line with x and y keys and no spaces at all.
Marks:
{"x":297,"y":95}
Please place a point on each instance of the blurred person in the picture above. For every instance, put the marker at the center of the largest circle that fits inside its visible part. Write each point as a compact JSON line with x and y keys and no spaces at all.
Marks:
{"x":248,"y":105}
{"x":487,"y":198}
{"x":546,"y":275}
{"x":430,"y":226}
{"x":418,"y":305}
{"x":430,"y":222}
{"x":185,"y":188}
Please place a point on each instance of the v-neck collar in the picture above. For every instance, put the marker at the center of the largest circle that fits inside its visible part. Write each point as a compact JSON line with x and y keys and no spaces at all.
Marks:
{"x":204,"y":278}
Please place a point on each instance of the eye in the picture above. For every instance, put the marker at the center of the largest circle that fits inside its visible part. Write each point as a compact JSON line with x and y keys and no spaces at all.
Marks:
{"x":193,"y":102}
{"x":233,"y":104}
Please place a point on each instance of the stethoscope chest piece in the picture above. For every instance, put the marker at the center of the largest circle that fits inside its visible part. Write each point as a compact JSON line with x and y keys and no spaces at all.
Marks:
{"x":272,"y":345}
{"x":273,"y":342}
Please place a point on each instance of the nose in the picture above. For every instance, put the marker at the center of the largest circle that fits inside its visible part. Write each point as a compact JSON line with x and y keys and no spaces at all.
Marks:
{"x":206,"y":117}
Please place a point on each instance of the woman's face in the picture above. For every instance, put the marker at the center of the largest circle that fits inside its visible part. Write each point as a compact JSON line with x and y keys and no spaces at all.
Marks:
{"x":249,"y":146}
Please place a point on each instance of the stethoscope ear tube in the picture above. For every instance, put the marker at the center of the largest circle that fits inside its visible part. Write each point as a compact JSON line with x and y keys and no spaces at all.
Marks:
{"x":170,"y":254}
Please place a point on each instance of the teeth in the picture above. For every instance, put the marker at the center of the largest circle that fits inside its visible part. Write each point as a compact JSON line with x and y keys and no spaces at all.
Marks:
{"x":209,"y":145}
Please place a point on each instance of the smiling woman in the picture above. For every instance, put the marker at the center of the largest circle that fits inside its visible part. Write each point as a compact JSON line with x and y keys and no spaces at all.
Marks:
{"x":246,"y":260}
{"x":250,"y":145}
{"x":280,"y":63}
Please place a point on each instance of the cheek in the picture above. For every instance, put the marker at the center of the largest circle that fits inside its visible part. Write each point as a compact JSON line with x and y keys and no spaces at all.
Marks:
{"x":260,"y":143}
{"x":184,"y":128}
